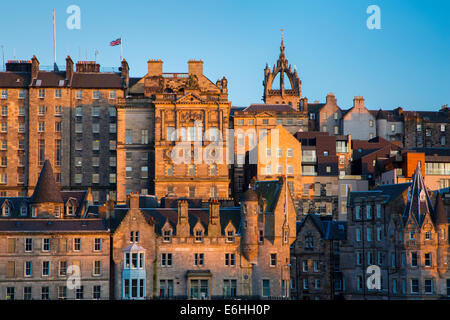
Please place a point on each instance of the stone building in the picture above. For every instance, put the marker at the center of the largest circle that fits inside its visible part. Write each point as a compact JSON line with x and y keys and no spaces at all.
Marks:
{"x":315,"y":259}
{"x":435,"y":167}
{"x":278,"y":155}
{"x":324,"y":158}
{"x":45,"y":240}
{"x":205,"y":253}
{"x":400,"y":229}
{"x":359,"y":121}
{"x":367,"y":240}
{"x":427,"y":128}
{"x":68,"y":117}
{"x":182,"y":132}
{"x":419,"y":246}
{"x":324,"y":117}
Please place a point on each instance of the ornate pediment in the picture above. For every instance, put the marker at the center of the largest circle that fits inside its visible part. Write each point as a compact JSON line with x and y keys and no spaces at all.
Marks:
{"x":189,"y":98}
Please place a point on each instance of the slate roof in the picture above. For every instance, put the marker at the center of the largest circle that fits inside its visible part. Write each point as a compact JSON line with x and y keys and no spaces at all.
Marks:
{"x":47,"y":79}
{"x":46,"y":189}
{"x":269,"y":190}
{"x":388,"y":192}
{"x":11,"y":79}
{"x":53,"y":225}
{"x":328,"y":229}
{"x":15,"y":204}
{"x":315,"y":107}
{"x":97,"y":80}
{"x":419,"y":203}
{"x":159,"y":216}
{"x":440,"y":214}
{"x":261,"y":107}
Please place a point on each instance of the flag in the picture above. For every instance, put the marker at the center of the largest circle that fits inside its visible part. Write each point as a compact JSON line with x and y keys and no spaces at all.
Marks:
{"x":115,"y":42}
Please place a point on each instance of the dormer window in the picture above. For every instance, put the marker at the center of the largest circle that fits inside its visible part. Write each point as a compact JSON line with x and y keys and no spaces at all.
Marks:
{"x":6,"y":209}
{"x":198,"y":235}
{"x":167,"y":235}
{"x":70,"y":208}
{"x":230,"y":236}
{"x":23,"y":211}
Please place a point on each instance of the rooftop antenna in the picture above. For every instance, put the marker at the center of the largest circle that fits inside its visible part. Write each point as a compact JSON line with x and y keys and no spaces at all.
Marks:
{"x":96,"y":53}
{"x":55,"y":66}
{"x":3,"y":56}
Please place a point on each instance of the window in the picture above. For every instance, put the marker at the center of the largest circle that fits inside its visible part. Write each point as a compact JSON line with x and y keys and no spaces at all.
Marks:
{"x":45,"y":268}
{"x":97,"y":244}
{"x":230,"y":259}
{"x":46,"y":244}
{"x":112,"y":144}
{"x":305,"y":265}
{"x":199,"y":235}
{"x":199,"y":289}
{"x":166,"y":288}
{"x":41,"y":93}
{"x":199,"y":259}
{"x":309,"y":242}
{"x":229,"y":288}
{"x":317,"y":284}
{"x":191,"y":192}
{"x":273,"y":259}
{"x":128,"y":136}
{"x":167,"y":235}
{"x":359,"y":282}
{"x":261,"y":236}
{"x":413,"y":259}
{"x":266,"y":288}
{"x":77,"y":244}
{"x":358,"y":235}
{"x":166,"y":259}
{"x":41,"y":111}
{"x":428,"y":259}
{"x":316,"y":266}
{"x":144,"y":136}
{"x":369,"y":234}
{"x":369,"y":212}
{"x":414,"y":285}
{"x":359,"y":258}
{"x":112,"y":94}
{"x":305,"y":284}
{"x":97,"y":268}
{"x":96,"y":94}
{"x":79,"y":293}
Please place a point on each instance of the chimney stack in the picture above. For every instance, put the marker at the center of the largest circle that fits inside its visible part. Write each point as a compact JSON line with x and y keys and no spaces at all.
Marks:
{"x":69,"y":68}
{"x":34,"y":67}
{"x":155,"y":67}
{"x":195,"y":67}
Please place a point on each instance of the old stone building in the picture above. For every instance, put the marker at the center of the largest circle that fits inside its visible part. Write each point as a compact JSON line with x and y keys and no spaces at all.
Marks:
{"x":427,"y":128}
{"x":45,"y":241}
{"x":324,"y":159}
{"x":400,"y":229}
{"x":315,"y":259}
{"x":359,"y":121}
{"x":205,"y":253}
{"x":367,"y":240}
{"x":181,"y":135}
{"x":68,"y":117}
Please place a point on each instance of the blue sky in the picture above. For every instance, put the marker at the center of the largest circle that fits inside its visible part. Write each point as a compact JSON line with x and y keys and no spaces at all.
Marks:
{"x":406,"y":63}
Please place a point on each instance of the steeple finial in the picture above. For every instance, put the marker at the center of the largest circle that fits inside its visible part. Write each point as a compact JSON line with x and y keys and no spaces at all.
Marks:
{"x":282,"y":43}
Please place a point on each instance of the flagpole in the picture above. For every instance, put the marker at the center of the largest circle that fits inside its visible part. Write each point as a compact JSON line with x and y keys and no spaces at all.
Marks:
{"x":121,"y":49}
